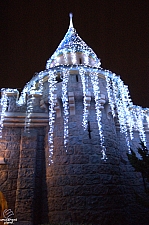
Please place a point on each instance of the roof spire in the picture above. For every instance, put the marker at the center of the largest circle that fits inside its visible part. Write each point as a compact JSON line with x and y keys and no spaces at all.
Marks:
{"x":71,"y":23}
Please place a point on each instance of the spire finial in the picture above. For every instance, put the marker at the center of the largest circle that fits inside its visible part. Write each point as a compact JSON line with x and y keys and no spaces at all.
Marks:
{"x":71,"y":23}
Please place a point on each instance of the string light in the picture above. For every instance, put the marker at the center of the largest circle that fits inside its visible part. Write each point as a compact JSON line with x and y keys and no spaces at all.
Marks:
{"x":130,"y":117}
{"x":110,"y":93}
{"x":139,"y":117}
{"x":146,"y":115}
{"x":85,"y":91}
{"x":4,"y":100}
{"x":96,"y":91}
{"x":65,"y":105}
{"x":52,"y":102}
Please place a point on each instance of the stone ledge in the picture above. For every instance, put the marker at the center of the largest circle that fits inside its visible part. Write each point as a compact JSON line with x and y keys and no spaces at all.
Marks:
{"x":18,"y":119}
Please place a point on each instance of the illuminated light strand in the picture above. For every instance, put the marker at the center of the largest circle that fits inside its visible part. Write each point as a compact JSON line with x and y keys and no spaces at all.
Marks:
{"x":127,"y":107}
{"x":4,"y":104}
{"x":146,"y":112}
{"x":65,"y":105}
{"x":52,"y":102}
{"x":85,"y":91}
{"x":96,"y":91}
{"x":118,"y":95}
{"x":110,"y":93}
{"x":140,"y":117}
{"x":126,"y":113}
{"x":4,"y":100}
{"x":147,"y":118}
{"x":124,"y":99}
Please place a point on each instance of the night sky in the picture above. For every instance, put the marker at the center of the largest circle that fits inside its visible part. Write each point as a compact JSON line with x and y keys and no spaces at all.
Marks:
{"x":118,"y":32}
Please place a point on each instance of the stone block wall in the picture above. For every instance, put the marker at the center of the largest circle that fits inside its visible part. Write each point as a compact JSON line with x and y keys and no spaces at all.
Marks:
{"x":22,"y":174}
{"x":81,"y":188}
{"x":10,"y":150}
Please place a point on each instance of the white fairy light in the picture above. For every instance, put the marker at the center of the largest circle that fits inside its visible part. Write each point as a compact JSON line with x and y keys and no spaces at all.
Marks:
{"x":146,"y":113}
{"x":85,"y":91}
{"x":96,"y":90}
{"x":127,"y":108}
{"x":4,"y":100}
{"x":64,"y":97}
{"x":129,"y":116}
{"x":119,"y":97}
{"x":140,"y":118}
{"x":52,"y":102}
{"x":29,"y":111}
{"x":110,"y":93}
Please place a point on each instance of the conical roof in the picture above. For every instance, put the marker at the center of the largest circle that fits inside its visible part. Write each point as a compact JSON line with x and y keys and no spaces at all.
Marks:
{"x":72,"y":43}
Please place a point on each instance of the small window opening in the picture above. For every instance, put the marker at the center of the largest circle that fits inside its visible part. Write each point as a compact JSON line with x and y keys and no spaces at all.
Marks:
{"x":89,"y":130}
{"x":77,"y":78}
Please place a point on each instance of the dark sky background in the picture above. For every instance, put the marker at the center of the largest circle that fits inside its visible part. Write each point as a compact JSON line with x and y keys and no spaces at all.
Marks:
{"x":118,"y":32}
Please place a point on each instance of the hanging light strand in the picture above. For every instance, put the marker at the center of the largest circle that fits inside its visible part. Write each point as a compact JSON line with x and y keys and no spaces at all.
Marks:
{"x":4,"y":103}
{"x":110,"y":93}
{"x":96,"y":91}
{"x":147,"y":116}
{"x":85,"y":91}
{"x":120,"y":106}
{"x":65,"y":105}
{"x":52,"y":102}
{"x":140,"y":119}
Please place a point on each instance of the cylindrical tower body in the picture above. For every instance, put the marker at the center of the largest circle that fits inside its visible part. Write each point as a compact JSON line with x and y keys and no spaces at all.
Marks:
{"x":78,"y":181}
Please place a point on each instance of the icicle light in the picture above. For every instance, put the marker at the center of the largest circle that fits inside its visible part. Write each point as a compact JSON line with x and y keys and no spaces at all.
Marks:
{"x":85,"y":91}
{"x":110,"y":93}
{"x":130,"y":117}
{"x":4,"y":100}
{"x":52,"y":102}
{"x":65,"y":73}
{"x":96,"y":91}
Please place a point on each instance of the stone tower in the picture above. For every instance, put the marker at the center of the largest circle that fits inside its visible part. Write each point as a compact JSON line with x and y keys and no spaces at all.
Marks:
{"x":64,"y":143}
